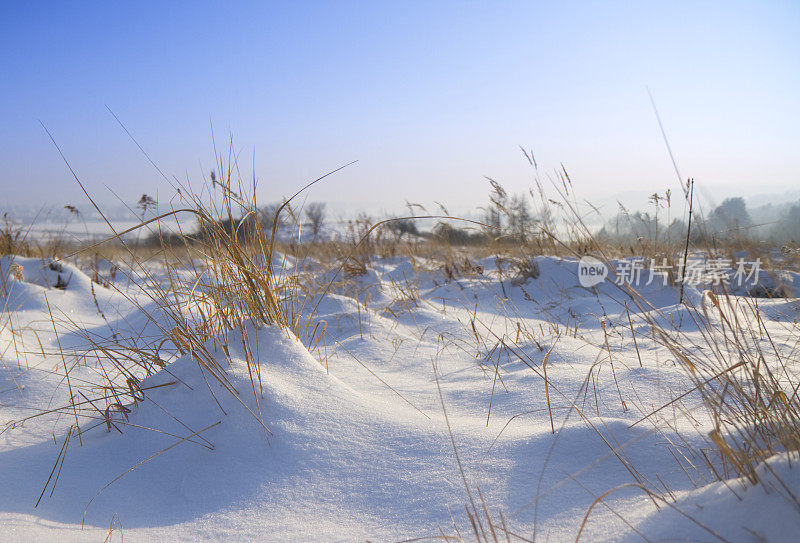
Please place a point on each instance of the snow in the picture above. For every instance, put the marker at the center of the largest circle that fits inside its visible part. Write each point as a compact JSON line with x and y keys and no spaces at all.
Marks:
{"x":351,"y":442}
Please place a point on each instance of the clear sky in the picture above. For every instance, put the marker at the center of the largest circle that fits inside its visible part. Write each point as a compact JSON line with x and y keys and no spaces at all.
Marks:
{"x":428,"y":96}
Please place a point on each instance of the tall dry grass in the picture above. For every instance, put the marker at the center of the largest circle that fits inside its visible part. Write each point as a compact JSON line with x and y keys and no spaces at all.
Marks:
{"x":747,"y":382}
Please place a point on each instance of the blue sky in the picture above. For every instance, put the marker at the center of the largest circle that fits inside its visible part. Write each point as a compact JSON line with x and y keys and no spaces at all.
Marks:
{"x":429,"y":97}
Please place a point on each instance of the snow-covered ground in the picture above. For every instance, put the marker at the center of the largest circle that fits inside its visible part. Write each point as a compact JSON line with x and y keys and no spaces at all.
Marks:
{"x":424,"y":399}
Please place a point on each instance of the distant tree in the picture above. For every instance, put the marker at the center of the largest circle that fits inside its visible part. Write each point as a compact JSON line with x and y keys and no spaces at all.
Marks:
{"x":144,"y":202}
{"x":315,"y":213}
{"x":493,"y":221}
{"x":498,"y":207}
{"x":267,"y":216}
{"x":788,"y":228}
{"x":519,"y":217}
{"x":400,"y":227}
{"x":455,"y":236}
{"x":627,"y":227}
{"x":731,"y":215}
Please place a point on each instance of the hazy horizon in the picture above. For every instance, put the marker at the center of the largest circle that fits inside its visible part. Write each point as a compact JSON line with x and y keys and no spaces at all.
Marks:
{"x":429,"y":98}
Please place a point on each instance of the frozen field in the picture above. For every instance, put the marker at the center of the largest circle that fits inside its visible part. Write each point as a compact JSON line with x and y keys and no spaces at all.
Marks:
{"x":483,"y":399}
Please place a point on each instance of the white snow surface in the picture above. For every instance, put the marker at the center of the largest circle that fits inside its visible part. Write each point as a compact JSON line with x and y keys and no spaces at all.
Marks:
{"x":351,"y":443}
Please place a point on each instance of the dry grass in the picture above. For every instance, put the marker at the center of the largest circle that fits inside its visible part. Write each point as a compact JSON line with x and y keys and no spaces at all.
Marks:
{"x":746,"y":379}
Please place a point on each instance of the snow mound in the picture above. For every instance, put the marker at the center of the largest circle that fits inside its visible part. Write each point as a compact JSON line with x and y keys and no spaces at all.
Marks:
{"x":206,"y":452}
{"x":24,"y":280}
{"x":734,"y":510}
